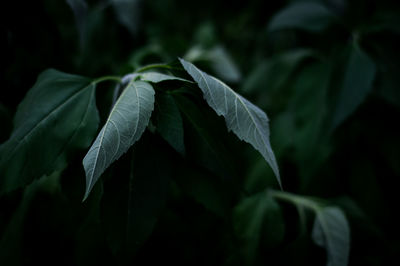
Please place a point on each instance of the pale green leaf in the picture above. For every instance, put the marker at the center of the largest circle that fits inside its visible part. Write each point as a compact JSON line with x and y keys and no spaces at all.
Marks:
{"x":57,"y":117}
{"x":156,"y":77}
{"x":332,"y":232}
{"x":245,"y":119}
{"x":125,"y":125}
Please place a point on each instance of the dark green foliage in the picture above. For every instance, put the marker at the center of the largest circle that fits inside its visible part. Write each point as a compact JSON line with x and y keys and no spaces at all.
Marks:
{"x":60,"y":109}
{"x":167,"y":175}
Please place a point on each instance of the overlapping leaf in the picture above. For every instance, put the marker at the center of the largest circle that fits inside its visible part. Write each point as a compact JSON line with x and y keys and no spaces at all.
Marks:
{"x":125,"y":124}
{"x":245,"y":119}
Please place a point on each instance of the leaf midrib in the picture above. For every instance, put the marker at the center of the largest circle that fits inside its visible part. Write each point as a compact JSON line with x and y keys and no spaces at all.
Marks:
{"x":76,"y":129}
{"x":45,"y":118}
{"x":324,"y":229}
{"x":114,"y":109}
{"x":102,"y":136}
{"x":238,"y":98}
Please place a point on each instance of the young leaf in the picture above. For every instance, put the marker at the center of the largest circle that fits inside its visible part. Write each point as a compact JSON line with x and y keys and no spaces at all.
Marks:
{"x":169,"y":122}
{"x":57,"y":117}
{"x":246,"y":120}
{"x":358,"y":80}
{"x":125,"y":125}
{"x":332,"y":231}
{"x":310,"y":16}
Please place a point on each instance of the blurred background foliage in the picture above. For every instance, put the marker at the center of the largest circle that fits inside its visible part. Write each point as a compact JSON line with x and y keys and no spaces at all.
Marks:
{"x":326,"y":72}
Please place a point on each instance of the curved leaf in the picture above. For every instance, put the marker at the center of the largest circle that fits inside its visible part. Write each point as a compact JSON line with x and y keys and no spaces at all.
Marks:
{"x":125,"y":125}
{"x":332,"y":231}
{"x":57,"y":117}
{"x":245,"y":119}
{"x":310,"y":16}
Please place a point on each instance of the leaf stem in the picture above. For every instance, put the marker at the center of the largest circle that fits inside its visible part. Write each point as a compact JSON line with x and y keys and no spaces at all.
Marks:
{"x":107,"y":78}
{"x":295,"y":199}
{"x":154,"y":66}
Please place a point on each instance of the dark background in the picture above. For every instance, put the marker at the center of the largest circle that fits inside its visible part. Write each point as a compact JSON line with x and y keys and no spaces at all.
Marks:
{"x":300,"y":75}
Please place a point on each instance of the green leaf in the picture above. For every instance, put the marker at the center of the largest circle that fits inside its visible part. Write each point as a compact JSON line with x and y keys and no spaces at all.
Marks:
{"x":128,"y":13}
{"x":332,"y":232}
{"x":132,"y":203}
{"x":6,"y":123}
{"x":219,"y":61}
{"x":246,"y":120}
{"x":358,"y":80}
{"x":80,"y":10}
{"x":255,"y":217}
{"x":12,"y":239}
{"x":203,"y":139}
{"x":275,"y":72}
{"x":125,"y":125}
{"x":331,"y":229}
{"x":156,"y":77}
{"x":57,"y":117}
{"x":148,"y":185}
{"x":309,"y":16}
{"x":213,"y":193}
{"x":223,"y":65}
{"x":169,"y":122}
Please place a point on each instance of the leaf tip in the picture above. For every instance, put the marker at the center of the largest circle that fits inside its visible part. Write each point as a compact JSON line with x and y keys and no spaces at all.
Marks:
{"x":87,"y":192}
